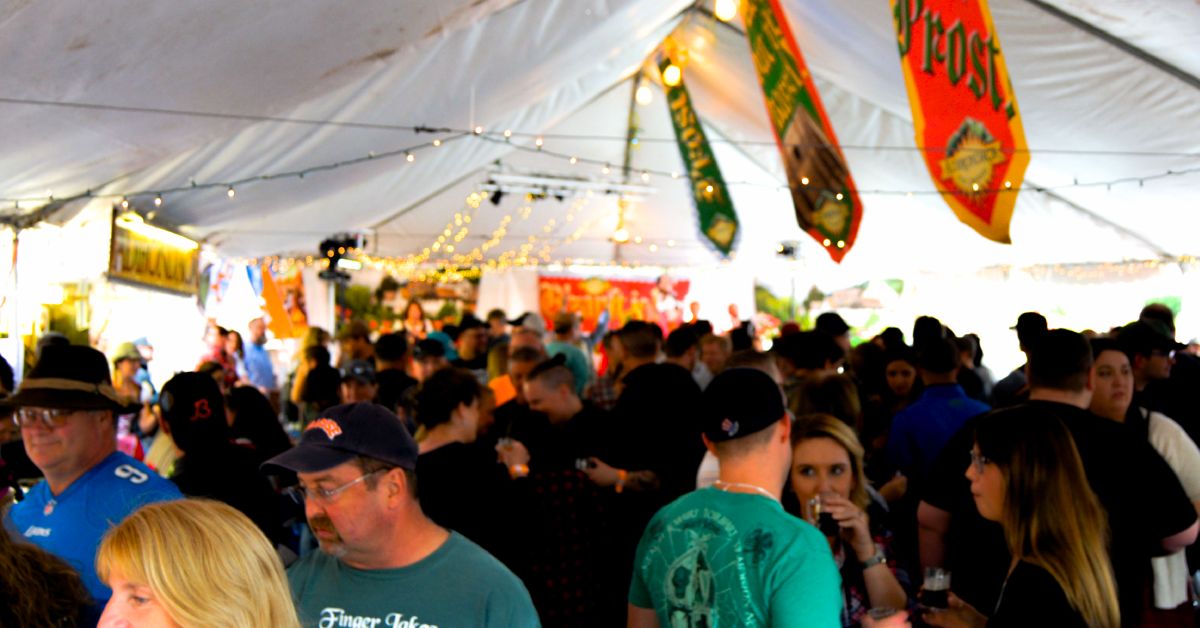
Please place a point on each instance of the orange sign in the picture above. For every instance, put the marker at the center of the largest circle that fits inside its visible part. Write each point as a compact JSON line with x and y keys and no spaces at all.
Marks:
{"x":624,"y":300}
{"x":964,"y":109}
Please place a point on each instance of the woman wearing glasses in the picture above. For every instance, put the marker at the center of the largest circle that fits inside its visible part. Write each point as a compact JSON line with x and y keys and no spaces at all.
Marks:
{"x":1026,"y":474}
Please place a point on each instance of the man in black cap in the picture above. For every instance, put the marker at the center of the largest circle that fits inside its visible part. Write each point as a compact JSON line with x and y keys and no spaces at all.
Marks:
{"x":66,"y":408}
{"x":1151,"y":348}
{"x":833,"y":325}
{"x":382,"y":561}
{"x":358,"y":382}
{"x":1013,"y":389}
{"x":723,"y":555}
{"x":430,"y":355}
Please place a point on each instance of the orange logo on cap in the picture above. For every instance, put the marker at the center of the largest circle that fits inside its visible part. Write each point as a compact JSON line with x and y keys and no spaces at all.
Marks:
{"x":330,"y":428}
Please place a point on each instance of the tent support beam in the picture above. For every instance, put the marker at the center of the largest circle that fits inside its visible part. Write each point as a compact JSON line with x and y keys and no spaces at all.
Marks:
{"x":424,"y":199}
{"x":1118,"y":43}
{"x":1124,"y":231}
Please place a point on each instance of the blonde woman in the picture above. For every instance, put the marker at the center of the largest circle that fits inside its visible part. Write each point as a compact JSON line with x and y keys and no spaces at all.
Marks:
{"x":827,"y":465}
{"x":192,"y":563}
{"x":1026,"y":474}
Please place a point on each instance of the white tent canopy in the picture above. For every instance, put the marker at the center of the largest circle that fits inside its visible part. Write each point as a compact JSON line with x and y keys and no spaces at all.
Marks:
{"x":121,"y":97}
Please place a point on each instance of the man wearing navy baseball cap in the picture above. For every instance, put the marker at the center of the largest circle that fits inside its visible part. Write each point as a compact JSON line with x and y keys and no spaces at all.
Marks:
{"x":382,"y":561}
{"x":733,"y":556}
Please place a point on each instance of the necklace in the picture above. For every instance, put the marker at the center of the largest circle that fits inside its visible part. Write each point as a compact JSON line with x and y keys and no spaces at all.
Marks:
{"x":722,"y":485}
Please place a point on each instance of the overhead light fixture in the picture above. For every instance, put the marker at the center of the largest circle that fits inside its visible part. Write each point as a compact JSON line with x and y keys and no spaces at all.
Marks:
{"x":621,"y":235}
{"x":643,"y":95}
{"x":672,"y":75}
{"x":725,"y":10}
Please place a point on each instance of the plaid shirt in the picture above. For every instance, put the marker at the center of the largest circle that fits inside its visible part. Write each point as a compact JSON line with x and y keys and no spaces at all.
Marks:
{"x":602,"y":392}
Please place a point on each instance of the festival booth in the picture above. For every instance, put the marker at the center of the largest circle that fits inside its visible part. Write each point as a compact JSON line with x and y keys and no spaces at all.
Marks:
{"x":837,"y":155}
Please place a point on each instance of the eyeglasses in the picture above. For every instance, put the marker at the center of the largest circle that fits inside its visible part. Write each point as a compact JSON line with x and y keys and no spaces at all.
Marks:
{"x":50,"y":417}
{"x":1161,"y":353}
{"x":301,"y":493}
{"x":978,"y":460}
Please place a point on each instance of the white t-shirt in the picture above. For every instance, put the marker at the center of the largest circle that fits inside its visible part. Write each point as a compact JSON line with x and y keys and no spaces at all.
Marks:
{"x":1183,"y":456}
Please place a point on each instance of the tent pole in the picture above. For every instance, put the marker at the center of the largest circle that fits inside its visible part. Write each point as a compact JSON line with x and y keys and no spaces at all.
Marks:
{"x":18,"y":365}
{"x":630,"y":131}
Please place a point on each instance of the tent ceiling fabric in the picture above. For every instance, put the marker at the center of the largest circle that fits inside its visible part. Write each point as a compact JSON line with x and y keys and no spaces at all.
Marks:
{"x":563,"y":67}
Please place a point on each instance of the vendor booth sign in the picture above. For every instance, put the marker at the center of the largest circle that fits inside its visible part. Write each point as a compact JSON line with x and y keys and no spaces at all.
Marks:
{"x":964,"y":109}
{"x":623,"y":299}
{"x":147,"y":255}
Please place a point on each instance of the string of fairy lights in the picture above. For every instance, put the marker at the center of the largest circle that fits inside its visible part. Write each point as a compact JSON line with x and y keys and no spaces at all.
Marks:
{"x":446,"y":256}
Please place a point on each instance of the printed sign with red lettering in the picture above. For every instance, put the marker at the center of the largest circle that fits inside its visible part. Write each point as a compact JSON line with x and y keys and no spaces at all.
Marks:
{"x":967,"y":123}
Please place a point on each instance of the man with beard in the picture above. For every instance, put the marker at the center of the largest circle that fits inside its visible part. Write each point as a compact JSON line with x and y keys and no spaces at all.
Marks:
{"x":382,"y":561}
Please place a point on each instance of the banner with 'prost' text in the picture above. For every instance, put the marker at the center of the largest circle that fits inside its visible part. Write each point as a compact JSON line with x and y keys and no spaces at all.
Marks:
{"x":964,"y":110}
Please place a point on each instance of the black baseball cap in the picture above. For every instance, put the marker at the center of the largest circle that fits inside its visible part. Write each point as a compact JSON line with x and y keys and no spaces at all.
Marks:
{"x":345,"y":432}
{"x":832,"y":323}
{"x":1143,"y":336}
{"x":739,"y":402}
{"x":429,"y":348}
{"x":359,"y":370}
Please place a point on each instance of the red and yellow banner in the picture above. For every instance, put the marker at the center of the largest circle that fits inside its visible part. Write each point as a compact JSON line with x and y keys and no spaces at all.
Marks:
{"x":964,"y":109}
{"x":823,"y":192}
{"x":624,"y":300}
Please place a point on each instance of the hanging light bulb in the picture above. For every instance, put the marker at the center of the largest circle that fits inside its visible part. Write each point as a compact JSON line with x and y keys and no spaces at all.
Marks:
{"x":621,"y":235}
{"x":643,"y":95}
{"x":124,"y":203}
{"x":158,"y":200}
{"x":437,"y":143}
{"x":539,"y":141}
{"x":672,"y":75}
{"x":231,"y":192}
{"x":725,"y":10}
{"x":410,"y":157}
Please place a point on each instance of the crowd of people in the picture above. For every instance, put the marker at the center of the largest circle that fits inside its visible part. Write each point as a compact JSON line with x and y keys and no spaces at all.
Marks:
{"x":506,"y":472}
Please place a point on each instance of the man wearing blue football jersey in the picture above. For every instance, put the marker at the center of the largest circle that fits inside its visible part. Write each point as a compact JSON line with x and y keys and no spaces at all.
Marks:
{"x":66,"y":410}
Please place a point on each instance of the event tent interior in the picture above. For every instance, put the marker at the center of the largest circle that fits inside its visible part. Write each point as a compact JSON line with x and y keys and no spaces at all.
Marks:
{"x":217,"y":108}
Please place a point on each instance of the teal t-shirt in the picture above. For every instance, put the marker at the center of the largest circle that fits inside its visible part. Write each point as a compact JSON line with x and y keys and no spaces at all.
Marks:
{"x":459,"y":584}
{"x":577,"y":363}
{"x":712,"y":558}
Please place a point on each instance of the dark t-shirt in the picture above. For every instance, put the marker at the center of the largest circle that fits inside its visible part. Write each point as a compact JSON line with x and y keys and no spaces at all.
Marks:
{"x":1032,"y":597}
{"x":461,"y":487}
{"x":658,"y":411}
{"x":393,"y":383}
{"x":1140,"y":493}
{"x":230,"y":474}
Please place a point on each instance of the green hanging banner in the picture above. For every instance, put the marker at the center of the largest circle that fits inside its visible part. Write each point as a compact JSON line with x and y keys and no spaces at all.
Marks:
{"x":717,"y":218}
{"x":823,"y":192}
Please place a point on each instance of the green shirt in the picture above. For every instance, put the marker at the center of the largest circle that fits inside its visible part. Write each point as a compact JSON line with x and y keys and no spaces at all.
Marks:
{"x":459,"y":584}
{"x":712,"y":558}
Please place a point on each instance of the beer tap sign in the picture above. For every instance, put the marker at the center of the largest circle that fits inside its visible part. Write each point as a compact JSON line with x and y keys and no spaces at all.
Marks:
{"x":964,"y":110}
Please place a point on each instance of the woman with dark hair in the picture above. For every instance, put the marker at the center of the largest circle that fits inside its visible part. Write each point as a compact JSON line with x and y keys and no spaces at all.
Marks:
{"x":253,"y":423}
{"x":39,"y":589}
{"x":1112,"y":398}
{"x":1026,"y":474}
{"x":464,"y":486}
{"x":827,"y":468}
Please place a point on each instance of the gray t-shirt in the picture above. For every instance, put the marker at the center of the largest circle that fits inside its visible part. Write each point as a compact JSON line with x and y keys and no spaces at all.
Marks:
{"x":459,"y":584}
